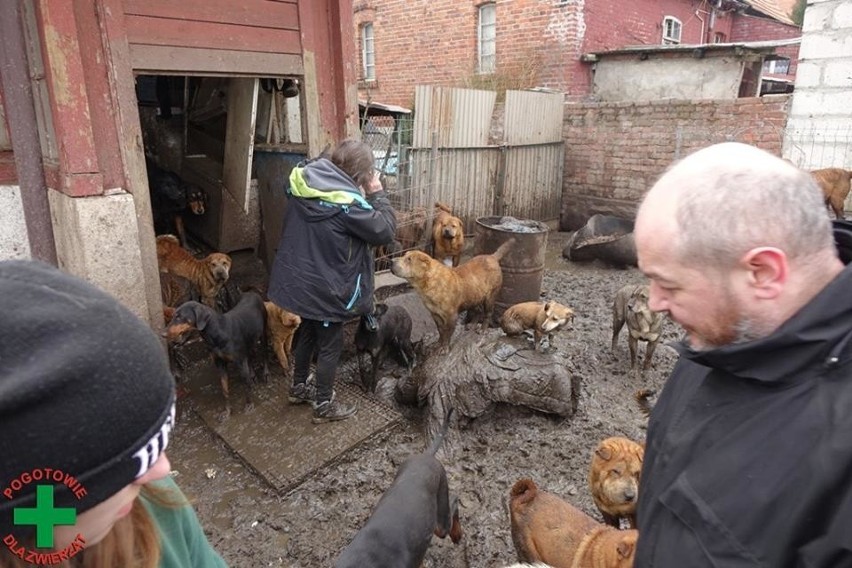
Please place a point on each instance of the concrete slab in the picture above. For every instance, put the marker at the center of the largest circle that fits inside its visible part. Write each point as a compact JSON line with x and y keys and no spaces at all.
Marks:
{"x":278,"y":440}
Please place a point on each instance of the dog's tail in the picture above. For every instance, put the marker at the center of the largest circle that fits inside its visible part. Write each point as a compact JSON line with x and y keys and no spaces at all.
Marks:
{"x":523,"y":491}
{"x":503,"y":249}
{"x":444,"y":207}
{"x":433,"y":449}
{"x":642,"y":397}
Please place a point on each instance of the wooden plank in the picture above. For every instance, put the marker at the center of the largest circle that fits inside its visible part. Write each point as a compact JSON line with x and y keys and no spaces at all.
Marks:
{"x":145,"y":30}
{"x":239,"y":138}
{"x":255,"y":13}
{"x":193,"y":61}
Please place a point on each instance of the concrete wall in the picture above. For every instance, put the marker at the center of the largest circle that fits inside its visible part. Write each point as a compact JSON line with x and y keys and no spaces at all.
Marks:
{"x":820,"y":127}
{"x":614,"y":152}
{"x":14,"y":243}
{"x":627,"y":78}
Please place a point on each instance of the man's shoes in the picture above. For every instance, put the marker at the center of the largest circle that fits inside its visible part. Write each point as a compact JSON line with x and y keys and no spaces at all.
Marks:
{"x":301,"y":393}
{"x":331,"y":410}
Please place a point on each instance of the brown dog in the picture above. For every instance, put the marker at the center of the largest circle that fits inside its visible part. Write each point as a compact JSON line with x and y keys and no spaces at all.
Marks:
{"x":547,"y":529}
{"x":281,"y":326}
{"x":835,"y":184}
{"x":614,"y":479}
{"x":643,"y":324}
{"x":446,"y":291}
{"x":208,"y":275}
{"x":544,"y":318}
{"x":447,"y":235}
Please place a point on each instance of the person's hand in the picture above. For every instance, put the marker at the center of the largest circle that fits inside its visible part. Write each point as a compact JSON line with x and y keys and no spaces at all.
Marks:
{"x":375,"y":184}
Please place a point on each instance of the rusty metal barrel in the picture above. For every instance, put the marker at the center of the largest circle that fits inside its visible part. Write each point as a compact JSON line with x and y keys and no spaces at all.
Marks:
{"x":523,"y":263}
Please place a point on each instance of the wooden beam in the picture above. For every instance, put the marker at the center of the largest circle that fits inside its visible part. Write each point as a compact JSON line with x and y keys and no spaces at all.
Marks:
{"x":157,"y":59}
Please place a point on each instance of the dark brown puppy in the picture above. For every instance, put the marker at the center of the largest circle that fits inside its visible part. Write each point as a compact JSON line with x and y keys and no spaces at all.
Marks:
{"x":417,"y":505}
{"x":392,"y":333}
{"x":835,"y":185}
{"x":208,"y":275}
{"x":447,"y":235}
{"x":446,"y":291}
{"x":237,"y":336}
{"x":547,"y":529}
{"x":643,"y":324}
{"x":171,"y":199}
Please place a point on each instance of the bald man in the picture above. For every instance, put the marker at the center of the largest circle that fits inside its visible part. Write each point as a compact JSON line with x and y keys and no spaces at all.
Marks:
{"x":748,"y":460}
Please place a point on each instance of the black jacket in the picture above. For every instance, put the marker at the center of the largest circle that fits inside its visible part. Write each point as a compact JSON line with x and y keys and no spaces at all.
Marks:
{"x":748,"y":460}
{"x":323,"y":269}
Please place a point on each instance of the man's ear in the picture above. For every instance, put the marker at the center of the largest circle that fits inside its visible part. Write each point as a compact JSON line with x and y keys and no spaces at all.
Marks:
{"x":767,"y":271}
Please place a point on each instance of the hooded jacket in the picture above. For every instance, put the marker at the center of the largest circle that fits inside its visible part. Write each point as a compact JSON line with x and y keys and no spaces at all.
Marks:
{"x":323,"y":269}
{"x":748,"y":460}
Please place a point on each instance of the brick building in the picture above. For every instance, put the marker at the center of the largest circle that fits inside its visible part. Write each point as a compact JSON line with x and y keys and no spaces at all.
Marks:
{"x":524,"y":43}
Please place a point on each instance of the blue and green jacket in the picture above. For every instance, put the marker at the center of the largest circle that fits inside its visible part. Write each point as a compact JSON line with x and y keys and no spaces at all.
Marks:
{"x":323,"y":268}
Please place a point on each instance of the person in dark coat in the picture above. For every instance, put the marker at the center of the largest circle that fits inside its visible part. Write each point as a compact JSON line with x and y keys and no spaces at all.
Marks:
{"x":336,"y":213}
{"x":748,"y":459}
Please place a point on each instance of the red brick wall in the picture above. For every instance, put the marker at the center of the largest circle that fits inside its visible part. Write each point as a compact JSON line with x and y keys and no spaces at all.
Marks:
{"x":614,"y":152}
{"x":752,"y":28}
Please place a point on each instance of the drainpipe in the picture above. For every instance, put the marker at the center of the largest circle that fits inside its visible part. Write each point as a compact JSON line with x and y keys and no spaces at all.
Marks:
{"x":23,"y":128}
{"x":700,"y":19}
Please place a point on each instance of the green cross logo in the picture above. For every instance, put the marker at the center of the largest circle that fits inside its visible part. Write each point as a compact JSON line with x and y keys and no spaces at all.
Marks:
{"x":45,"y":516}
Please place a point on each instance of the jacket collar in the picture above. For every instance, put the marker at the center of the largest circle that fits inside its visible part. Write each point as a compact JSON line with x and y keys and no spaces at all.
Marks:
{"x":816,"y":335}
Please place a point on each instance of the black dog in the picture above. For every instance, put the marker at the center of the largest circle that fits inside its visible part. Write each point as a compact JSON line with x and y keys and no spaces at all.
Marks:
{"x":391,"y":329}
{"x":237,"y":336}
{"x":417,"y":505}
{"x":171,"y":198}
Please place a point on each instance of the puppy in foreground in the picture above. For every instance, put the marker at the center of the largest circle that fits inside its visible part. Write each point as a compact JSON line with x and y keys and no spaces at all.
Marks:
{"x":544,"y":318}
{"x":417,"y":505}
{"x":547,"y":529}
{"x":446,"y":291}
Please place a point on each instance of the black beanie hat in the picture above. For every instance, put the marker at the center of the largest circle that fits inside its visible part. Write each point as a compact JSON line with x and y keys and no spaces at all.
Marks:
{"x":86,"y":395}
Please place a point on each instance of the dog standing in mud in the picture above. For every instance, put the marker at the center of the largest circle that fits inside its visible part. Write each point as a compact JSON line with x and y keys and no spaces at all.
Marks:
{"x":282,"y":326}
{"x":391,"y":332}
{"x":546,"y":528}
{"x":643,"y":324}
{"x":614,"y":479}
{"x":446,"y":291}
{"x":236,"y":336}
{"x":208,"y":275}
{"x":544,"y":318}
{"x":417,"y":505}
{"x":447,"y":235}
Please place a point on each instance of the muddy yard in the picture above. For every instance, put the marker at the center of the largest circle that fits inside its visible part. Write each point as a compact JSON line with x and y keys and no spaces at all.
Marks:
{"x":253,"y":526}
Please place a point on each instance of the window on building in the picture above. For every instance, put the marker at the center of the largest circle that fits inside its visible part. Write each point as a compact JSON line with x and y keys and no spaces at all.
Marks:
{"x":368,"y":52}
{"x":780,"y":66}
{"x":671,"y":30}
{"x":487,"y":38}
{"x":719,"y":37}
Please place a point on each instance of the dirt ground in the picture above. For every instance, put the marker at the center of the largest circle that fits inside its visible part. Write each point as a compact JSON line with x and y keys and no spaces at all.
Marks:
{"x":252,"y":526}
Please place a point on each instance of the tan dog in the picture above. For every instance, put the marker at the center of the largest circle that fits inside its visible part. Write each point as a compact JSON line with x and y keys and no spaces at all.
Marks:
{"x":208,"y":275}
{"x":446,"y":291}
{"x":614,"y":479}
{"x":835,"y":184}
{"x":447,"y":235}
{"x":282,"y":325}
{"x":547,"y":529}
{"x":544,"y":318}
{"x":643,"y":324}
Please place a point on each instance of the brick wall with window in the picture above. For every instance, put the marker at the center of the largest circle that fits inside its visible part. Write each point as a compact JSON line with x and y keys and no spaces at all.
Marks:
{"x":753,"y":28}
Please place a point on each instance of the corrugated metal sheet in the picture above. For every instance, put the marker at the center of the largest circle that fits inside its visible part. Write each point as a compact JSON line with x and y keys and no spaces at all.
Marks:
{"x":460,"y":117}
{"x":533,"y":185}
{"x":533,"y":117}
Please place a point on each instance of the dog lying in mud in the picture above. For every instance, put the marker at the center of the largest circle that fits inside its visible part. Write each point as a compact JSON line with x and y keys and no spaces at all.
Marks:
{"x":643,"y":324}
{"x":543,"y":318}
{"x":835,"y":184}
{"x":614,"y":479}
{"x":392,"y":333}
{"x":417,"y":505}
{"x":447,"y":235}
{"x":545,"y":528}
{"x":446,"y":291}
{"x":208,"y":275}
